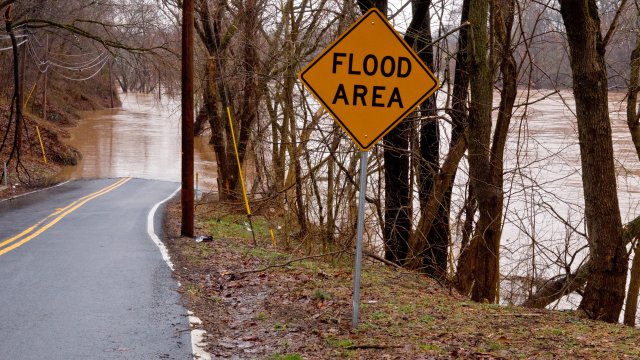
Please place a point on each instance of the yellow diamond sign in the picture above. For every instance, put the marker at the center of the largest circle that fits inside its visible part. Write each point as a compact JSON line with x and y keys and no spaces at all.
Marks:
{"x":369,"y":79}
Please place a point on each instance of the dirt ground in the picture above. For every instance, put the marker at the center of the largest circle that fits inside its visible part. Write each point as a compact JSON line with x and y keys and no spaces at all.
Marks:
{"x":32,"y":172}
{"x":262,"y":302}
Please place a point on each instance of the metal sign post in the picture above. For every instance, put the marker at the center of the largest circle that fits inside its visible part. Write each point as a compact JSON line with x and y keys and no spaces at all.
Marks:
{"x":369,"y":79}
{"x":364,"y":159}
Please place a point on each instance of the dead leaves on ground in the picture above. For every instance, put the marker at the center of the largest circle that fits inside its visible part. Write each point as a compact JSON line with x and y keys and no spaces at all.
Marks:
{"x":303,"y":311}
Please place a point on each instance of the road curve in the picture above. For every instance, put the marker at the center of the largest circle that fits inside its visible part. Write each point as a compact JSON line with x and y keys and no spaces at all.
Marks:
{"x":81,"y":279}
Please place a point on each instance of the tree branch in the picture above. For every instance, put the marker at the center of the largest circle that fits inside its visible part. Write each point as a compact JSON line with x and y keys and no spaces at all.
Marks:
{"x":289,"y":262}
{"x":42,"y":23}
{"x":614,"y":24}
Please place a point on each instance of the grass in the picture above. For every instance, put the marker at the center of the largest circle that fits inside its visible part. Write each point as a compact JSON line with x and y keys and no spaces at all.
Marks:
{"x":308,"y":308}
{"x":193,"y":290}
{"x":285,"y":357}
{"x":321,"y":295}
{"x":430,"y":347}
{"x":237,"y":227}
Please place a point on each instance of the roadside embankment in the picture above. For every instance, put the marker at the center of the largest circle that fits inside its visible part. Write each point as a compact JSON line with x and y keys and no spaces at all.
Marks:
{"x":275,"y":302}
{"x":43,"y":150}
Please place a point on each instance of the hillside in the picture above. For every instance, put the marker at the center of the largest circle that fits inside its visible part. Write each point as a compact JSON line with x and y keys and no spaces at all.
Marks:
{"x":269,"y":302}
{"x":66,"y":101}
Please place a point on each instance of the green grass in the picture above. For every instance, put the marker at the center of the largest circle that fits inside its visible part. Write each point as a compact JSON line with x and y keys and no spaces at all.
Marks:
{"x":193,"y":290}
{"x":427,"y":319}
{"x":379,"y":315}
{"x":430,"y":347}
{"x":321,"y":295}
{"x":285,"y":357}
{"x":235,"y":227}
{"x":265,"y":254}
{"x":496,"y":346}
{"x":261,"y":316}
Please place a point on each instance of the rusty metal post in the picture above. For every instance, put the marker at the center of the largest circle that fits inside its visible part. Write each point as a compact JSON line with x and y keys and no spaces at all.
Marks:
{"x":187,"y":194}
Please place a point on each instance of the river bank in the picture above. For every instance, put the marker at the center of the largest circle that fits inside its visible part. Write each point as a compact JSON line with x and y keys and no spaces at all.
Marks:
{"x":273,"y":302}
{"x":38,"y":165}
{"x":45,"y":150}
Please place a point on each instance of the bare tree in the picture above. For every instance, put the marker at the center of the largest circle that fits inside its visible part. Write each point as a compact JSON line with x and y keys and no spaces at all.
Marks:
{"x":605,"y":288}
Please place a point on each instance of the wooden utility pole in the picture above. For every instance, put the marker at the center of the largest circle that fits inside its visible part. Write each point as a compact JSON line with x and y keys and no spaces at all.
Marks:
{"x":20,"y":99}
{"x":187,"y":195}
{"x":111,"y":81}
{"x":46,"y":80}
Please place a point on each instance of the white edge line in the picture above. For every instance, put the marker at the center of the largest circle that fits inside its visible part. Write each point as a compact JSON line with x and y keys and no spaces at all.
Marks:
{"x":33,"y":192}
{"x":198,"y":344}
{"x":152,"y":233}
{"x":197,"y":335}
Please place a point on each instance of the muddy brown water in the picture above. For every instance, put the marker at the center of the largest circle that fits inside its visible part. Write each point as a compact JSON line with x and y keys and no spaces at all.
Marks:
{"x":141,"y":139}
{"x":542,"y":168}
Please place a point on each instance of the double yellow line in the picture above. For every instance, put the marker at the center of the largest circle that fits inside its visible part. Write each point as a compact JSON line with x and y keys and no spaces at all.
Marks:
{"x":46,"y":223}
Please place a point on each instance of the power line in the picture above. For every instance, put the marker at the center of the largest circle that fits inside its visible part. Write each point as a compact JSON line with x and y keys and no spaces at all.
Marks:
{"x":11,"y":47}
{"x":82,"y":79}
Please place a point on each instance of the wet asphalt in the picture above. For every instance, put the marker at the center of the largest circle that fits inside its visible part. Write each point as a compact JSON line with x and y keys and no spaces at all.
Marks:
{"x":93,"y":285}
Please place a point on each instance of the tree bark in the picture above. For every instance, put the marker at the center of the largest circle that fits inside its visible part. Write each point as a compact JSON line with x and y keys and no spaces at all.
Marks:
{"x":484,"y":246}
{"x":605,"y":288}
{"x":18,"y":82}
{"x":434,"y":246}
{"x":633,"y":121}
{"x":554,"y":289}
{"x":631,"y":307}
{"x":397,"y":214}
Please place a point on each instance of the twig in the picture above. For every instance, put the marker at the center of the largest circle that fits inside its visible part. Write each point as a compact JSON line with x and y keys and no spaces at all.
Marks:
{"x":289,"y":262}
{"x":382,"y":260}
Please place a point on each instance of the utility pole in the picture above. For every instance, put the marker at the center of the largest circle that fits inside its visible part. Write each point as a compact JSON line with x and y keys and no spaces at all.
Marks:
{"x":187,"y":194}
{"x":111,"y":81}
{"x":20,"y":99}
{"x":46,"y":79}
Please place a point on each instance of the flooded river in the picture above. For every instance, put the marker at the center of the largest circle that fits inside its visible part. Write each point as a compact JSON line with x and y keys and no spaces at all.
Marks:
{"x":142,"y":139}
{"x":543,"y":225}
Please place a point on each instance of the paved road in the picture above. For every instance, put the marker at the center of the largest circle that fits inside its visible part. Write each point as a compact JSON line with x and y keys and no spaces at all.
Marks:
{"x":88,"y":282}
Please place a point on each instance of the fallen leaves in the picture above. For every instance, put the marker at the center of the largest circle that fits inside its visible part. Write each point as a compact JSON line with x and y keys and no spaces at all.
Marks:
{"x":304,"y":308}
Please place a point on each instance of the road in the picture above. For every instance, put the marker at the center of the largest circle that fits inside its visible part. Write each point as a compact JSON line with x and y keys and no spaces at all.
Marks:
{"x":81,"y":278}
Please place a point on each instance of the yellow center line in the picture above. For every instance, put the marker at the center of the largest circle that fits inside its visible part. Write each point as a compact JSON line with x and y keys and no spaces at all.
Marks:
{"x":61,"y":213}
{"x":59,"y":210}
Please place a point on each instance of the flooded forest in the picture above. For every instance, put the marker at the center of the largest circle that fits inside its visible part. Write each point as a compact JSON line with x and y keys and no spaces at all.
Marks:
{"x":517,"y":182}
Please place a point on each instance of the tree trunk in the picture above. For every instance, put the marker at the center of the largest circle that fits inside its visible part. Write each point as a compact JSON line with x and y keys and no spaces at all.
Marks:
{"x":605,"y":288}
{"x":484,"y":245}
{"x":434,"y":246}
{"x":217,"y":123}
{"x":503,"y":14}
{"x":366,"y":5}
{"x":18,"y":82}
{"x":397,"y":212}
{"x":631,"y":307}
{"x":555,"y":288}
{"x":633,"y":121}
